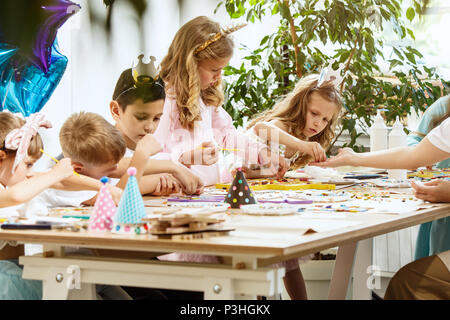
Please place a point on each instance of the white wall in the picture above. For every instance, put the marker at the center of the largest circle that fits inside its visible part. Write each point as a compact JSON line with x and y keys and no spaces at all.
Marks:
{"x":95,"y":64}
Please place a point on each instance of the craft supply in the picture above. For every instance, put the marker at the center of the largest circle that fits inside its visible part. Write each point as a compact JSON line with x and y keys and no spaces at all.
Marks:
{"x":186,"y":222}
{"x":19,"y":226}
{"x":207,"y":207}
{"x":283,"y":184}
{"x":76,"y":217}
{"x":378,"y":134}
{"x":104,"y":210}
{"x":267,"y":209}
{"x":56,"y":160}
{"x":288,"y":201}
{"x":397,"y":138}
{"x":197,"y":199}
{"x":131,"y":211}
{"x":43,"y":226}
{"x":223,"y":149}
{"x":239,"y":193}
{"x":321,"y":173}
{"x":364,"y":176}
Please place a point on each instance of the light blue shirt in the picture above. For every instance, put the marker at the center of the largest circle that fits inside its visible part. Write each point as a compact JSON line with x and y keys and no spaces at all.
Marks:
{"x":434,"y":236}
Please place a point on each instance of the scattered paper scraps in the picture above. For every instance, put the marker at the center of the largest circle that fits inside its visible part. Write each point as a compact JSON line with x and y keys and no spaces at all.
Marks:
{"x":269,"y":209}
{"x":320,"y":196}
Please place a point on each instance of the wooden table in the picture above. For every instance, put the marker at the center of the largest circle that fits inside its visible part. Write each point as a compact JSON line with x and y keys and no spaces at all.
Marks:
{"x":250,"y":272}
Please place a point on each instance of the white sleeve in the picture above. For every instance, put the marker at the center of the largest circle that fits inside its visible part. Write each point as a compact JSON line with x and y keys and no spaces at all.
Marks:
{"x":440,"y":136}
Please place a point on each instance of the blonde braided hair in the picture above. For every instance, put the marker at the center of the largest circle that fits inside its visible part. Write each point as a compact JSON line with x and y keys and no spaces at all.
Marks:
{"x":196,"y":41}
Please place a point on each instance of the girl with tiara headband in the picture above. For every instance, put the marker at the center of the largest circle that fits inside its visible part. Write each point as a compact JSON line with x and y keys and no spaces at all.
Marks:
{"x":302,"y":124}
{"x":194,"y":125}
{"x":302,"y":127}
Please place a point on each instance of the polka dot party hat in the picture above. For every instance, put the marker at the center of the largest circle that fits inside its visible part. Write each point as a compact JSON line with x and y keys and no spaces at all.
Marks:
{"x":239,"y":193}
{"x":104,"y":210}
{"x":131,"y":206}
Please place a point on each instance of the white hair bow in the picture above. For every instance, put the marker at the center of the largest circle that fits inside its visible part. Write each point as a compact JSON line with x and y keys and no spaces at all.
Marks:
{"x":19,"y":139}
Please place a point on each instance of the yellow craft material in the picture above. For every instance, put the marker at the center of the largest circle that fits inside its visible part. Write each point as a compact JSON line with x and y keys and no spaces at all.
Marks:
{"x":277,"y":186}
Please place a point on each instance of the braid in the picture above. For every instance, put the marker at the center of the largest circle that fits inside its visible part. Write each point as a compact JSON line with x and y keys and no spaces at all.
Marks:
{"x":191,"y":110}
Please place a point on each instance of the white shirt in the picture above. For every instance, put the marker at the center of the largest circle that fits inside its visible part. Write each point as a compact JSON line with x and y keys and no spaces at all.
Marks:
{"x":9,"y":212}
{"x":440,"y":136}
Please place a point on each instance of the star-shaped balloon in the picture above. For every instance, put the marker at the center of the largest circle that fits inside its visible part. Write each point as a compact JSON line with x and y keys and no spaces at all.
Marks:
{"x":30,"y":65}
{"x":31,"y":27}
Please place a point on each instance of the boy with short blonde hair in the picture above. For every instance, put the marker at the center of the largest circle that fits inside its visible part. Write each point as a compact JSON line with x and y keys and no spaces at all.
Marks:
{"x":94,"y":145}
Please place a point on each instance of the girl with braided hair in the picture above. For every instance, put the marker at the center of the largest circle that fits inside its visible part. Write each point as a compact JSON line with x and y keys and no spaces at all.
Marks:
{"x":194,"y":125}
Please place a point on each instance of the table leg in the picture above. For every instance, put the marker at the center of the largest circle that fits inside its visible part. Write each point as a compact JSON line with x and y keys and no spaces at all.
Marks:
{"x":362,"y":271}
{"x":342,"y":272}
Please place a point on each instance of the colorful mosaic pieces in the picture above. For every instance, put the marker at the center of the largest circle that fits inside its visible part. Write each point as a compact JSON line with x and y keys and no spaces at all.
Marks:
{"x":430,"y":174}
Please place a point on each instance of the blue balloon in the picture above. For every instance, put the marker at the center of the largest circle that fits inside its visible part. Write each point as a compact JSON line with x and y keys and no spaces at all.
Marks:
{"x":27,"y":89}
{"x":5,"y":54}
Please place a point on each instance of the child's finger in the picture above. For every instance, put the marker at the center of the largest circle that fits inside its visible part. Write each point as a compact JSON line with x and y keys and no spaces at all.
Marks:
{"x":433,"y":183}
{"x":176,"y":187}
{"x":158,"y":187}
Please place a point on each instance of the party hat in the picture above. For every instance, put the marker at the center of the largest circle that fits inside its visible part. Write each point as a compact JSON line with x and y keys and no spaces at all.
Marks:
{"x":104,"y":210}
{"x":128,"y":218}
{"x":239,"y":193}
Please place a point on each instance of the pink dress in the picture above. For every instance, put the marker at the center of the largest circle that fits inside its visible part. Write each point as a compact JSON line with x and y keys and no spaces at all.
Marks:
{"x":216,"y":126}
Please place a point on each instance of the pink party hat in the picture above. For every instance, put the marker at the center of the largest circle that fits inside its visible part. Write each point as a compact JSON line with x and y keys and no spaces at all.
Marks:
{"x":104,"y":210}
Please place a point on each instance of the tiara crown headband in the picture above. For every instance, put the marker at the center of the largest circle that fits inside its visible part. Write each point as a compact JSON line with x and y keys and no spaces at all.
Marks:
{"x":217,"y":36}
{"x":144,"y":74}
{"x":329,"y":74}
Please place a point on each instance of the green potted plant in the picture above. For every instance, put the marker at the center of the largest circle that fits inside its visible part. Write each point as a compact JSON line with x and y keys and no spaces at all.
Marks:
{"x":353,"y":29}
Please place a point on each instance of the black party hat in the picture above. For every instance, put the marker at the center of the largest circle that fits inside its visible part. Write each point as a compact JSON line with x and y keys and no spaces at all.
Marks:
{"x":239,"y":193}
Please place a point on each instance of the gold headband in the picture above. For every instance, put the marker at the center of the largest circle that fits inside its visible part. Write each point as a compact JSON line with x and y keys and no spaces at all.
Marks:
{"x":218,"y":36}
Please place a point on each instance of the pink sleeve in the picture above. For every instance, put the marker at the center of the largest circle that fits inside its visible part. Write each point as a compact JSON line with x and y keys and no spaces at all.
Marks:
{"x":162,"y":132}
{"x":169,"y":134}
{"x":227,"y":135}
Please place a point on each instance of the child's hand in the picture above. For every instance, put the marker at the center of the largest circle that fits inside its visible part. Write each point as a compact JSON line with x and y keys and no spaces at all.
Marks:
{"x":116,"y":193}
{"x":207,"y":154}
{"x":315,"y":150}
{"x":190,"y":183}
{"x":433,"y":191}
{"x":343,"y":158}
{"x":148,"y":145}
{"x":166,"y":186}
{"x":63,"y":168}
{"x":272,"y":164}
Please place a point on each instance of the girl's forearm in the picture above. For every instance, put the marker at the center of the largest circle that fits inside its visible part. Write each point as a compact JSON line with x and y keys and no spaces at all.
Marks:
{"x":271,"y":132}
{"x":148,"y":184}
{"x":78,"y":183}
{"x":139,"y":161}
{"x":151,"y":167}
{"x":423,"y":154}
{"x":24,"y":191}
